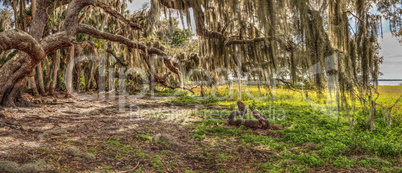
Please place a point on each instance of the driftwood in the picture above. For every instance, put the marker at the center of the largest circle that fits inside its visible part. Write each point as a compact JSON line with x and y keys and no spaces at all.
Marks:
{"x":262,"y":122}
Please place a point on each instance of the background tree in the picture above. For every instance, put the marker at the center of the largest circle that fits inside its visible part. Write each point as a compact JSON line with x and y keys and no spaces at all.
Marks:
{"x":300,"y":36}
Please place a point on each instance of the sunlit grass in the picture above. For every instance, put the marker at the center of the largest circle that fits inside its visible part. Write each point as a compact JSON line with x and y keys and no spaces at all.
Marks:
{"x":327,"y":128}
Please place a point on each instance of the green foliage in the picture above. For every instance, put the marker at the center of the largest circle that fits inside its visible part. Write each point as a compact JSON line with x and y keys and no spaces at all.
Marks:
{"x":92,"y":150}
{"x":264,"y":140}
{"x":64,"y":136}
{"x":114,"y":143}
{"x":127,"y":148}
{"x":223,"y":157}
{"x":173,"y":34}
{"x":343,"y":162}
{"x":209,"y":127}
{"x":397,"y":170}
{"x":180,"y":36}
{"x":140,"y":154}
{"x":156,"y":161}
{"x":331,"y":149}
{"x":186,"y":100}
{"x":310,"y":138}
{"x":106,"y":168}
{"x":311,"y":159}
{"x":210,"y":100}
{"x":171,"y":92}
{"x":144,"y":137}
{"x":163,"y":152}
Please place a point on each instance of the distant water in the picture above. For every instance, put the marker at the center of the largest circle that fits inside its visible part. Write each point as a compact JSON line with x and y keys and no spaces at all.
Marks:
{"x":389,"y":83}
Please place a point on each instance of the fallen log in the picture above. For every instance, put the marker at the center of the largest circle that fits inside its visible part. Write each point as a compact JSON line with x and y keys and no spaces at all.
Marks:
{"x":262,"y":122}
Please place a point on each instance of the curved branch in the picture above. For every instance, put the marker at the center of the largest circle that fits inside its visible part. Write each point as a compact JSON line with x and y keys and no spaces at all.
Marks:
{"x":20,"y":40}
{"x":84,"y":15}
{"x":170,"y":66}
{"x":55,"y":41}
{"x":86,"y":29}
{"x":118,"y":59}
{"x":118,"y":16}
{"x":14,"y":71}
{"x":73,"y":12}
{"x":72,"y":21}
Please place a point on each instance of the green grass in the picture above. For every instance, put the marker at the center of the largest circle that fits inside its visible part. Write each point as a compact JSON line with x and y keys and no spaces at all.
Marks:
{"x":170,"y":92}
{"x":140,"y":154}
{"x":334,"y":143}
{"x":144,"y":137}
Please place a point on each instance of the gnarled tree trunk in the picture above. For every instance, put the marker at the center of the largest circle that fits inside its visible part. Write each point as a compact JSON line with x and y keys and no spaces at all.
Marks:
{"x":69,"y":72}
{"x":56,"y":66}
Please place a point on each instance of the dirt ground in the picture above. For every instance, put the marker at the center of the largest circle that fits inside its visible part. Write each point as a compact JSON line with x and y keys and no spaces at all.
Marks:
{"x":118,"y":134}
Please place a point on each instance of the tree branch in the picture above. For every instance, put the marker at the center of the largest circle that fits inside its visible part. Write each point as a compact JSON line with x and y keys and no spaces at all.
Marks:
{"x":119,"y":59}
{"x":170,"y":66}
{"x":74,"y":7}
{"x":176,"y":4}
{"x":118,"y":16}
{"x":84,"y":15}
{"x":20,"y":40}
{"x":86,"y":29}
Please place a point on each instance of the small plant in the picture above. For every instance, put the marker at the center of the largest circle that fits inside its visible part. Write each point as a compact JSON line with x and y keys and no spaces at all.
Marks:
{"x":156,"y":161}
{"x":163,"y":152}
{"x":127,"y":148}
{"x":365,"y":163}
{"x":140,"y":154}
{"x":199,"y":137}
{"x":397,"y":170}
{"x":106,"y":168}
{"x":164,"y":143}
{"x":92,"y":150}
{"x":311,"y":159}
{"x":223,"y":157}
{"x":172,"y":163}
{"x":117,"y":156}
{"x":64,"y":136}
{"x":114,"y":143}
{"x":343,"y":162}
{"x":144,"y":137}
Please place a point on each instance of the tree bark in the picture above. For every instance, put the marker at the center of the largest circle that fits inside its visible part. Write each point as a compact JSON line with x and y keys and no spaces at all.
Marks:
{"x":262,"y":122}
{"x":56,"y":66}
{"x":32,"y":85}
{"x":13,"y":74}
{"x":33,"y":8}
{"x":16,"y":69}
{"x":41,"y":84}
{"x":69,"y":72}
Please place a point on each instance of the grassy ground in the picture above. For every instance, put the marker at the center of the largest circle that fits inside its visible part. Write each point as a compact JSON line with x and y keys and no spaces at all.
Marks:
{"x":314,"y":138}
{"x":101,"y":138}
